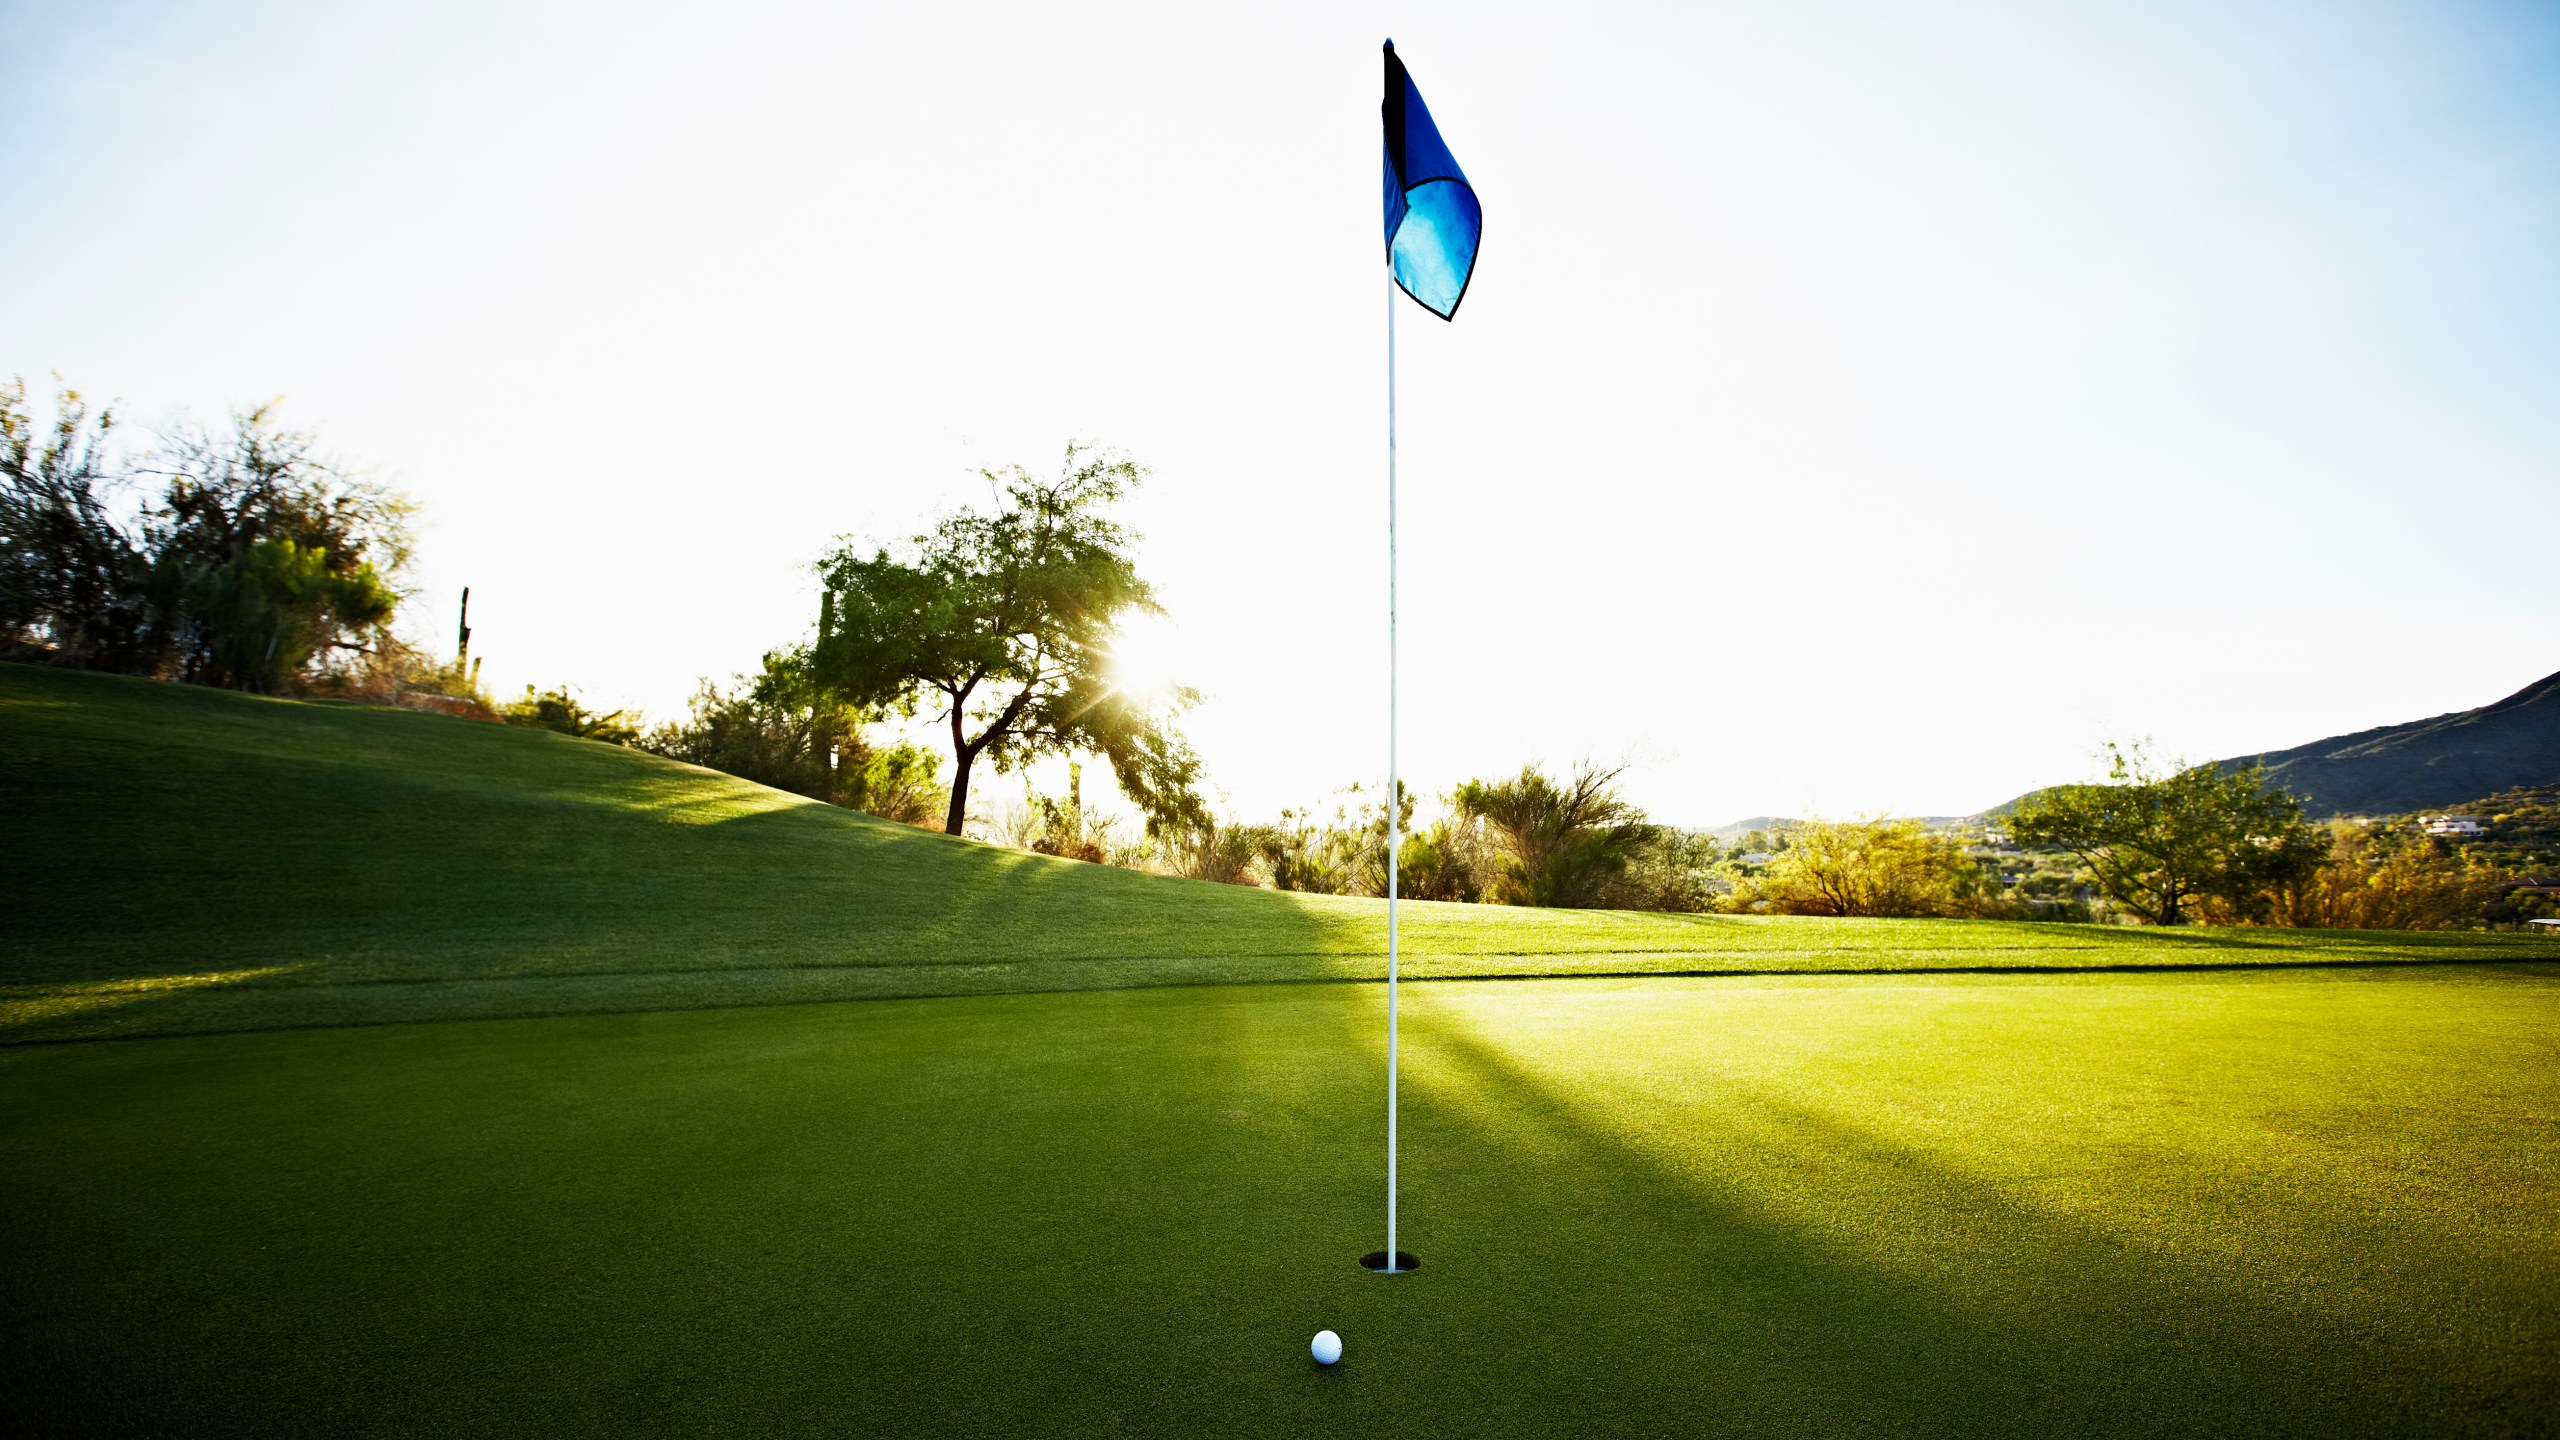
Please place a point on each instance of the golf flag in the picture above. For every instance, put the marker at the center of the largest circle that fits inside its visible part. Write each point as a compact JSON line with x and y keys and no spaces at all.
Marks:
{"x":1433,"y":221}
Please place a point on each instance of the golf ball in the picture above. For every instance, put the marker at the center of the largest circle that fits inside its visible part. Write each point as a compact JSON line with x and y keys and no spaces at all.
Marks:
{"x":1327,"y":1347}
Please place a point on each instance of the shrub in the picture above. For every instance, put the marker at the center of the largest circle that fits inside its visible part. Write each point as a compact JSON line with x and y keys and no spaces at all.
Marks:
{"x":779,"y":730}
{"x":1224,"y":852}
{"x":561,"y":711}
{"x":2370,"y":878}
{"x":1869,"y":867}
{"x":1564,"y":843}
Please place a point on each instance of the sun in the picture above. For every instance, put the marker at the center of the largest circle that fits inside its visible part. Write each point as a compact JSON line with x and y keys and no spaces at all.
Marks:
{"x":1143,"y":660}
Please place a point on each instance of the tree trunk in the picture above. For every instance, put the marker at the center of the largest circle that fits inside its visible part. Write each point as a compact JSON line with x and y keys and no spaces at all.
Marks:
{"x":965,"y":755}
{"x":959,"y":796}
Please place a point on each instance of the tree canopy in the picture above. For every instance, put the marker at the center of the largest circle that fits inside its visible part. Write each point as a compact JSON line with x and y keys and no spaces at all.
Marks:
{"x":256,"y":560}
{"x":2158,"y":842}
{"x":1000,"y":623}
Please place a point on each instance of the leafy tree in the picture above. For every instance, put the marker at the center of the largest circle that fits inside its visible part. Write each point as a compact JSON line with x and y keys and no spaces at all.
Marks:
{"x":900,"y":782}
{"x":1670,"y":871}
{"x":1566,"y":842}
{"x":2159,"y":842}
{"x":1868,"y":867}
{"x":266,"y":554}
{"x":775,"y":729}
{"x":780,"y":730}
{"x":257,"y":565}
{"x":1002,"y":623}
{"x":71,"y":580}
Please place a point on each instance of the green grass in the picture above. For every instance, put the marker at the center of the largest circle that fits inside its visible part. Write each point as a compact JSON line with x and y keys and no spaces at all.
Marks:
{"x":2315,"y":1203}
{"x":1874,"y":1178}
{"x":184,"y":860}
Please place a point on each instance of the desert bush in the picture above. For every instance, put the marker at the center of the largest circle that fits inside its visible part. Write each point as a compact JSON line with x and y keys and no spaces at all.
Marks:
{"x":1221,"y":851}
{"x":1564,"y":843}
{"x":780,"y":730}
{"x":2371,"y":878}
{"x":1668,"y":870}
{"x":561,"y":711}
{"x":1061,"y":826}
{"x":1453,"y":858}
{"x":1869,"y":867}
{"x":387,"y":670}
{"x":1336,"y":854}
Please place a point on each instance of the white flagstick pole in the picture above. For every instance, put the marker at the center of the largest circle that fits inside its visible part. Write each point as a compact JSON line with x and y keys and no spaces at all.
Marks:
{"x":1393,"y":794}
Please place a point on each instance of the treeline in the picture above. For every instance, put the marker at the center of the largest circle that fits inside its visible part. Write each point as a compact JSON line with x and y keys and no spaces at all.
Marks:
{"x":2203,"y":843}
{"x":243,"y":556}
{"x":2150,"y":845}
{"x":237,"y":556}
{"x":1569,"y":841}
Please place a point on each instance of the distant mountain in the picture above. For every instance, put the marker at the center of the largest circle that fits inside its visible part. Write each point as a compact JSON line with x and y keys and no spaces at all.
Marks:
{"x":2435,"y":764}
{"x":2426,"y":764}
{"x":1740,"y":828}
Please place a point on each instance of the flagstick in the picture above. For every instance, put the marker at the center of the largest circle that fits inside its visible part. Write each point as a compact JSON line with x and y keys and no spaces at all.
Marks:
{"x":1393,"y":794}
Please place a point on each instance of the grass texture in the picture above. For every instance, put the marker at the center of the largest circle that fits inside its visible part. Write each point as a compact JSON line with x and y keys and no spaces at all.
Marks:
{"x":1668,"y":1175}
{"x":2256,"y":1202}
{"x":181,"y":860}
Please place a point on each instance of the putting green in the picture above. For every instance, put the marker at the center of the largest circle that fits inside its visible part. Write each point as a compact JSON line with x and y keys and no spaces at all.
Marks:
{"x":2309,"y":1202}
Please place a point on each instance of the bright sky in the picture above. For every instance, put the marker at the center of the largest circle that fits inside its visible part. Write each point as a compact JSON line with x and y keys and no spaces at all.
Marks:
{"x":1857,"y":407}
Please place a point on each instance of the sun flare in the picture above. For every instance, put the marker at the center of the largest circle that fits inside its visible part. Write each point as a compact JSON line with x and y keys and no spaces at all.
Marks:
{"x":1145,"y":659}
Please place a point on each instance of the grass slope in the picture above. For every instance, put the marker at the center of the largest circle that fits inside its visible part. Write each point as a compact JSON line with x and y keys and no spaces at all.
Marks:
{"x":2256,"y":1202}
{"x":184,"y":860}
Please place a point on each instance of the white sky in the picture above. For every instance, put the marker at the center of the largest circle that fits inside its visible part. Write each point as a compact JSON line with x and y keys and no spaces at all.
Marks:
{"x":1857,"y":407}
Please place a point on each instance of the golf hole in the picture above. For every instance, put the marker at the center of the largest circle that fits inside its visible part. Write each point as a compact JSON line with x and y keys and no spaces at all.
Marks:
{"x":1377,"y":1260}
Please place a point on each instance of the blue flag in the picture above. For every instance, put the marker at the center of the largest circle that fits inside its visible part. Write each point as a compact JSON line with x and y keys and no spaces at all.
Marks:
{"x":1433,"y":221}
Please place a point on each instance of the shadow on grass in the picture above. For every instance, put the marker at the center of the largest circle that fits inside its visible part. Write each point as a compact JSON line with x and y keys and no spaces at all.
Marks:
{"x":1890,"y":1294}
{"x":1099,"y":1214}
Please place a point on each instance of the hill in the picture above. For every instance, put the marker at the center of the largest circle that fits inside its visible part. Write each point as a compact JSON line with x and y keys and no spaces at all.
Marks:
{"x":2427,"y":764}
{"x":181,"y":859}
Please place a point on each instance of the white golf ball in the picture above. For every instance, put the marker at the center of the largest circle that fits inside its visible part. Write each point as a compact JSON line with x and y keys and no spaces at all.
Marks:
{"x":1327,"y":1347}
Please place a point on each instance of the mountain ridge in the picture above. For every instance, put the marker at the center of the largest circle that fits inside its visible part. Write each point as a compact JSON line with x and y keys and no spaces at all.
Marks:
{"x":2448,"y":759}
{"x":2439,"y":762}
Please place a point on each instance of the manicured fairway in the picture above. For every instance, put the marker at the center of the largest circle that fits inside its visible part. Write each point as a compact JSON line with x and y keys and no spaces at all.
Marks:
{"x":2313,"y":1202}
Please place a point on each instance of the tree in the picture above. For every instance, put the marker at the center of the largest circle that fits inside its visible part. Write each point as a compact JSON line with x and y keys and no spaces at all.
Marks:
{"x":258,"y":562}
{"x":1566,"y":842}
{"x":266,"y":555}
{"x":1002,"y":623}
{"x":2157,"y":842}
{"x":779,"y":730}
{"x":73,"y":584}
{"x":1867,"y":867}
